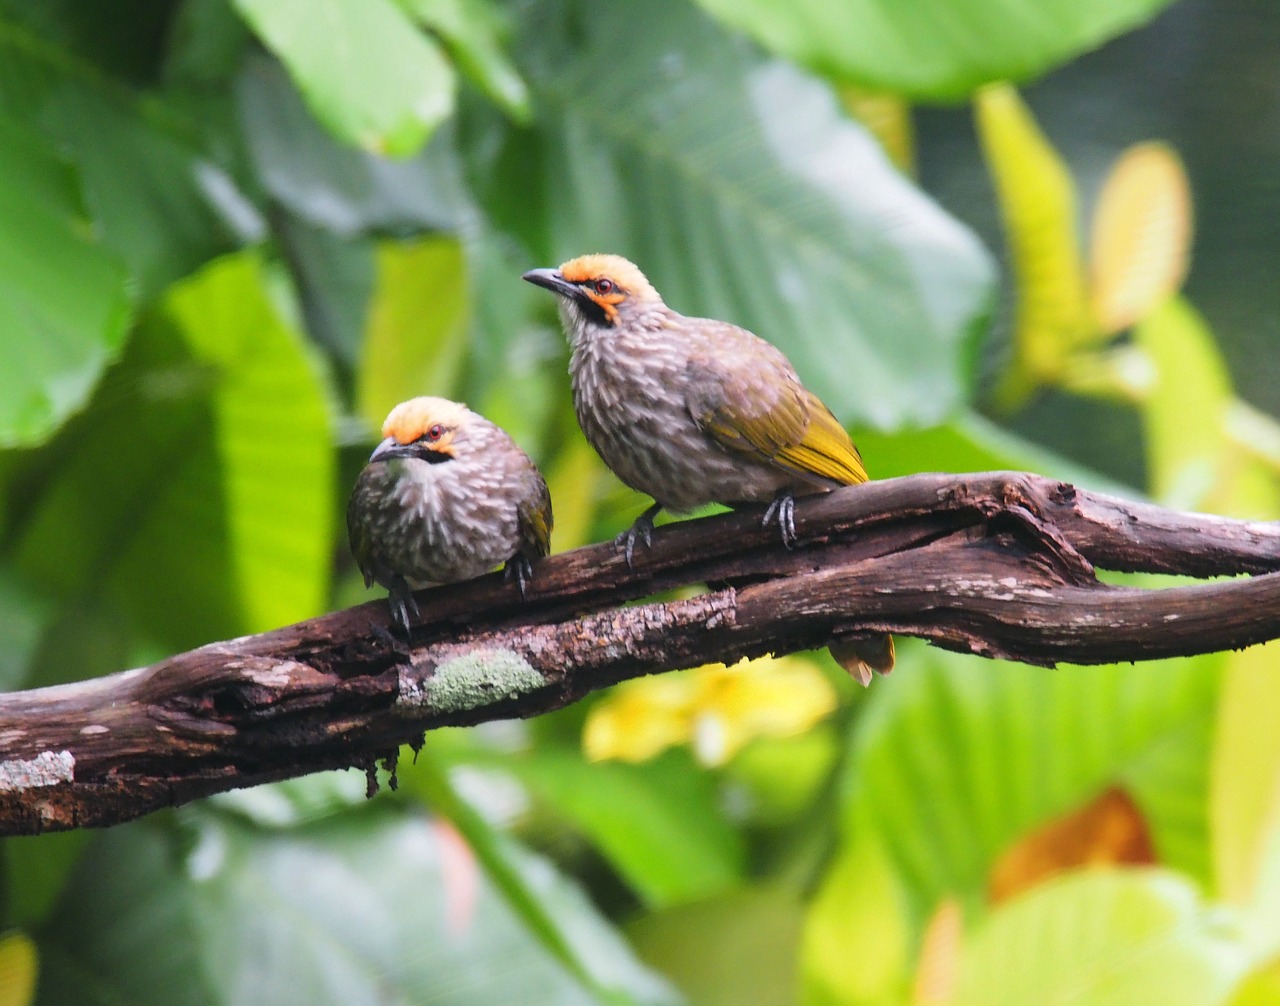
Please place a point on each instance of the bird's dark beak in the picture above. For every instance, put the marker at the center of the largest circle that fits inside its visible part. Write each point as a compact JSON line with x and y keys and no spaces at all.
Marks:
{"x":553,"y":281}
{"x":391,"y":448}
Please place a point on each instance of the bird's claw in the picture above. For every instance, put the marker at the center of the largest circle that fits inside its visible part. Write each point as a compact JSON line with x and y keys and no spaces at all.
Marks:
{"x":520,"y":569}
{"x":642,"y":529}
{"x":403,"y":605}
{"x":783,"y":510}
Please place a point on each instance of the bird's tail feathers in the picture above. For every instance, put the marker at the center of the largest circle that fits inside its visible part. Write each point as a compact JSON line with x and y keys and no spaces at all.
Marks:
{"x":863,"y":655}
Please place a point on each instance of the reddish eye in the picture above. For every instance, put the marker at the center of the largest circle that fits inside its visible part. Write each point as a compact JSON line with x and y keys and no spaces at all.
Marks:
{"x":436,"y":432}
{"x":604,"y":286}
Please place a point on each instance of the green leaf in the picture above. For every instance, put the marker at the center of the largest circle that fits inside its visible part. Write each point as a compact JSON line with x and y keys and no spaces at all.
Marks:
{"x":36,"y":869}
{"x":738,"y":947}
{"x":955,"y":761}
{"x":1103,"y":937}
{"x":333,"y":186}
{"x":416,"y":332}
{"x":555,"y":912}
{"x":971,"y":443}
{"x":471,"y":29}
{"x":745,"y":194}
{"x":370,"y":907}
{"x":861,"y":904}
{"x":193,"y":500}
{"x":160,"y":201}
{"x":657,"y":823}
{"x":373,"y":79}
{"x":933,"y":49}
{"x":64,"y":298}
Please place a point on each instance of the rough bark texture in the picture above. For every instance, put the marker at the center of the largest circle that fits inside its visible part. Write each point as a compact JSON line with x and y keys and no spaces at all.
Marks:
{"x":1000,"y":564}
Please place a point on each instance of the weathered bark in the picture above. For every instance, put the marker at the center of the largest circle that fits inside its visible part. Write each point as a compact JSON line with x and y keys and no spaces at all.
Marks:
{"x":999,"y":564}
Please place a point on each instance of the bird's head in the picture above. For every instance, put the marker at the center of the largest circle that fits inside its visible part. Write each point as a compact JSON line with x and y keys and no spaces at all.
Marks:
{"x":598,"y":290}
{"x":428,"y":429}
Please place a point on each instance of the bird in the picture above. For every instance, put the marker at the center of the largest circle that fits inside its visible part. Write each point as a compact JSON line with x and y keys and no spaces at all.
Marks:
{"x":691,"y":411}
{"x":446,"y":496}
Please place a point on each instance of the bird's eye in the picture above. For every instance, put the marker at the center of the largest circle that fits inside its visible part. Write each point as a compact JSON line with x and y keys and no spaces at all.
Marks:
{"x":604,"y":286}
{"x":435,"y":433}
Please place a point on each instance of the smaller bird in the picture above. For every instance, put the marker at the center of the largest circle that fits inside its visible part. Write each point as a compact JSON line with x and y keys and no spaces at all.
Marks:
{"x":445,"y":497}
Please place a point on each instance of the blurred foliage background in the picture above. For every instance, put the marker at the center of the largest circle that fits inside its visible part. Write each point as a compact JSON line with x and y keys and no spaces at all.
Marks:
{"x":234,"y":232}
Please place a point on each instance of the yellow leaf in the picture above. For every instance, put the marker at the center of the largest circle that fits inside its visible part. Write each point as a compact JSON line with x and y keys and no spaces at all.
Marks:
{"x":715,"y":709}
{"x":888,"y":118}
{"x":574,"y":479}
{"x":1038,"y":202}
{"x":1141,"y":236}
{"x":18,"y":968}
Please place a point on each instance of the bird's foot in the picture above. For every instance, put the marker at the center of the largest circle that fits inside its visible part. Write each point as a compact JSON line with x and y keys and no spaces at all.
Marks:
{"x":641,"y":529}
{"x":520,"y":569}
{"x":783,"y":510}
{"x":402,"y":602}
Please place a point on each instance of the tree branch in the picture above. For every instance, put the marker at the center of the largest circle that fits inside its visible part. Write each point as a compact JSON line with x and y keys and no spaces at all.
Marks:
{"x":999,"y":564}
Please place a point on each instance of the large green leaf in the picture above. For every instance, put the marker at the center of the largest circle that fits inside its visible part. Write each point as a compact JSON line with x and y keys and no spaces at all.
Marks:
{"x":1106,"y":938}
{"x":193,"y":500}
{"x":472,"y":30}
{"x":64,"y":298}
{"x":369,"y":907}
{"x":738,"y":947}
{"x":657,"y":823}
{"x":933,"y":48}
{"x":368,"y":74}
{"x":741,"y":189}
{"x":957,"y":759}
{"x":552,"y":911}
{"x":336,"y":187}
{"x":161,"y":202}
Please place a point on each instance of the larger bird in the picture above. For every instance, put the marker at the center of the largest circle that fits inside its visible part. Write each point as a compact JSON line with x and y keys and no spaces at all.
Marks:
{"x":693,"y":411}
{"x":445,"y":497}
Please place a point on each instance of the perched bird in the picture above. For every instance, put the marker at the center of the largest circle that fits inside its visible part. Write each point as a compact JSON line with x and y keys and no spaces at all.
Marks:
{"x":445,"y":497}
{"x":693,"y":411}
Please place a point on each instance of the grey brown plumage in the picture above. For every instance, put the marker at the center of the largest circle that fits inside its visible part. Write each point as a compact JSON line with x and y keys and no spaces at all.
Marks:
{"x":446,"y":496}
{"x":693,"y":410}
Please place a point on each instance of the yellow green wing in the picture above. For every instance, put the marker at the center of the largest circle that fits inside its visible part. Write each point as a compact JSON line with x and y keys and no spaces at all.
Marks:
{"x":536,"y":520}
{"x":746,"y":396}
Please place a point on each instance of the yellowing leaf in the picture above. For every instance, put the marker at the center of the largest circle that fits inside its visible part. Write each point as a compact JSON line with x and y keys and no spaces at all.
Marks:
{"x":1110,"y":829}
{"x":417,"y":327}
{"x":888,"y":118}
{"x":1141,"y":236}
{"x":714,"y":708}
{"x":18,"y":967}
{"x":1038,"y":202}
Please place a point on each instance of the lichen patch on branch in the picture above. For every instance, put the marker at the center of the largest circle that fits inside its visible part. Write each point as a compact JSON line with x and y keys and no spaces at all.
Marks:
{"x":469,"y":681}
{"x":46,"y":769}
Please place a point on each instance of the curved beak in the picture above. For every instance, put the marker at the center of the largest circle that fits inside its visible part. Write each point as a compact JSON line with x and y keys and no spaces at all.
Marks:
{"x":392,"y":448}
{"x":553,"y":281}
